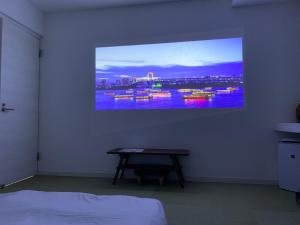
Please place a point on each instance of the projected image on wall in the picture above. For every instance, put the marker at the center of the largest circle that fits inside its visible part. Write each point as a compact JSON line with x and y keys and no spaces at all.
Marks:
{"x":191,"y":74}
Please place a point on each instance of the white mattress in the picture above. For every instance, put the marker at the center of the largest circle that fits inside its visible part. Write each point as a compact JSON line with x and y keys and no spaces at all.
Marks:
{"x":59,"y":208}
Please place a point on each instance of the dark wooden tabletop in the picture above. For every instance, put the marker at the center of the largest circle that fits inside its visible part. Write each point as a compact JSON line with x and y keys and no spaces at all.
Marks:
{"x":149,"y":151}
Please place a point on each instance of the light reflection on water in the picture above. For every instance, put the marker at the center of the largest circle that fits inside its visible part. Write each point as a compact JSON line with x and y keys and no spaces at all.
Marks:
{"x":165,"y":99}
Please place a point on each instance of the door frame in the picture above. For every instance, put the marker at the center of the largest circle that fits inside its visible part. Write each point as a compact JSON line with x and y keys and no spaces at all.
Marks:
{"x":39,"y":38}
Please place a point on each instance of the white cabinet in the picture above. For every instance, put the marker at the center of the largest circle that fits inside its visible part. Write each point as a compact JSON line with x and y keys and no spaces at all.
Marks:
{"x":289,"y":165}
{"x":288,"y":127}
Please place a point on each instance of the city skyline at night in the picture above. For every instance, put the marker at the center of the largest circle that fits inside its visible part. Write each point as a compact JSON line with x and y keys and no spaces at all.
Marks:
{"x":170,"y":75}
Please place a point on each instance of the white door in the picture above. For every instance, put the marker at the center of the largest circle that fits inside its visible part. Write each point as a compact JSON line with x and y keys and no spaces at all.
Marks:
{"x":19,"y":82}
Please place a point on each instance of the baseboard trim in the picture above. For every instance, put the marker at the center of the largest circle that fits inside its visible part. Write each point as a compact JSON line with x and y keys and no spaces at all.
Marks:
{"x":75,"y":174}
{"x":233,"y":180}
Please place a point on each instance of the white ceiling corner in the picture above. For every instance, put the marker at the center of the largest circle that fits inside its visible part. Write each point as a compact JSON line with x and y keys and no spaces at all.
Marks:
{"x":254,"y":2}
{"x":52,"y":6}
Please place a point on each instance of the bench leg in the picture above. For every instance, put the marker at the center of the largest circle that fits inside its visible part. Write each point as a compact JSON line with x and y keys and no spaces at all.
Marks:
{"x":118,"y":169}
{"x":177,"y":168}
{"x":139,"y":179}
{"x":124,"y":165}
{"x":161,"y":181}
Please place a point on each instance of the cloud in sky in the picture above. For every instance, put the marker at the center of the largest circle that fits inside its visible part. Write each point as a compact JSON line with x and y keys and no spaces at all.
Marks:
{"x":120,"y":61}
{"x":122,"y":75}
{"x":222,"y":69}
{"x":189,"y":53}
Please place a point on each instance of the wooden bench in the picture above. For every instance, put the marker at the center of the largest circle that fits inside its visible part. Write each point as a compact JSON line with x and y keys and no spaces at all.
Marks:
{"x":143,"y":169}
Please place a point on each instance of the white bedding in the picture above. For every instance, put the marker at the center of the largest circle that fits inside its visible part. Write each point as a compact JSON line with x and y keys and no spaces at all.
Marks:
{"x":59,"y":208}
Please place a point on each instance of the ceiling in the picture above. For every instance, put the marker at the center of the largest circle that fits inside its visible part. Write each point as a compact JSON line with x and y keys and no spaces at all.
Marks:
{"x":51,"y":6}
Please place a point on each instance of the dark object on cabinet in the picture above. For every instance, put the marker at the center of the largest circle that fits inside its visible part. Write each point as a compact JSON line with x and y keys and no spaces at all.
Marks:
{"x":298,"y":112}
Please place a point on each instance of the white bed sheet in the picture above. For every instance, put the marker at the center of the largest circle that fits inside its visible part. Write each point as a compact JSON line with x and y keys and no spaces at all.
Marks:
{"x":68,"y":208}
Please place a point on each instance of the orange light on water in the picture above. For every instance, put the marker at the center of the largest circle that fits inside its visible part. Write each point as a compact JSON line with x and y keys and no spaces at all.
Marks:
{"x":147,"y":97}
{"x":161,"y":95}
{"x":195,"y":101}
{"x":125,"y":97}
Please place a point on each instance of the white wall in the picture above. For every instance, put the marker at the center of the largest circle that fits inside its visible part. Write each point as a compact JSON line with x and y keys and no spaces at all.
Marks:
{"x":25,"y":13}
{"x":236,"y":145}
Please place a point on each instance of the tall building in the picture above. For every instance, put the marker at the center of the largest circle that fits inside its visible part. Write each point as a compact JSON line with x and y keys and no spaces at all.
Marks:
{"x":150,"y":76}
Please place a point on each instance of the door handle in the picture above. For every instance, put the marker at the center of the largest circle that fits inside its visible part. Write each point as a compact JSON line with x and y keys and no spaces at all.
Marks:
{"x":4,"y":109}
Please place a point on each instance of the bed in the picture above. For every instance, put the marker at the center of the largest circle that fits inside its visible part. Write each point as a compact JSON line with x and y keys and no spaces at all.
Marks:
{"x":68,"y":208}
